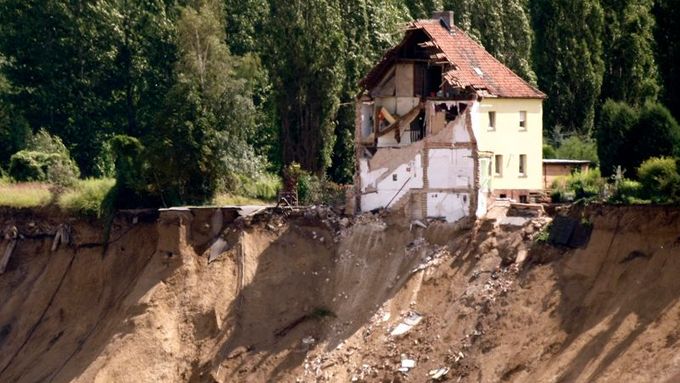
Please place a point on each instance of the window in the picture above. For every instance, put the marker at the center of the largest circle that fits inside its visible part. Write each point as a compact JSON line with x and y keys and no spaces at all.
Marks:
{"x":492,"y":120}
{"x":523,"y":120}
{"x":498,"y":164}
{"x":522,"y":165}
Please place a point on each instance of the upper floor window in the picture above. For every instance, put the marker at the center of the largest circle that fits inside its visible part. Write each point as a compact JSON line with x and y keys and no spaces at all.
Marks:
{"x":522,"y":165}
{"x":492,"y":120}
{"x":523,"y":120}
{"x":498,"y":165}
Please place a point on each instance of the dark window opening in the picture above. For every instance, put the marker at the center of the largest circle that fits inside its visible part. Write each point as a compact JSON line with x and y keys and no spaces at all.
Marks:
{"x":523,"y":199}
{"x":418,"y":127}
{"x":503,"y":196}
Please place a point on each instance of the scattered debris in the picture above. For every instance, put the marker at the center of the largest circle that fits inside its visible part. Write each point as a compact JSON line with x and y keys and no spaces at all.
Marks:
{"x":411,"y":320}
{"x":438,"y":373}
{"x":418,"y":223}
{"x":308,"y":340}
{"x":11,"y":237}
{"x":408,"y":363}
{"x":216,"y":249}
{"x":63,"y":235}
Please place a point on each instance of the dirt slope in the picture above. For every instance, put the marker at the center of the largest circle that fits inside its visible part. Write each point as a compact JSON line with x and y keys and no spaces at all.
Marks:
{"x":312,"y":297}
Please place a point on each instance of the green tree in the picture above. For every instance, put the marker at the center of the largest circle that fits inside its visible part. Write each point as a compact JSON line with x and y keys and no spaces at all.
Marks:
{"x":655,"y":134}
{"x":578,"y":148}
{"x":422,"y":9}
{"x":502,"y":27}
{"x":14,"y":132}
{"x":200,"y":136}
{"x":145,"y":55}
{"x":370,"y":28}
{"x":631,"y":73}
{"x":667,"y":35}
{"x":616,"y":121}
{"x":60,"y":57}
{"x":304,"y":46}
{"x":568,"y":61}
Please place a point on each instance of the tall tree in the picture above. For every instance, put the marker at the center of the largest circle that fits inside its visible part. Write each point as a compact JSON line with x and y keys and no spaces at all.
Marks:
{"x":667,"y":34}
{"x":60,"y":55}
{"x":370,"y":28}
{"x":304,"y":42}
{"x":145,"y":55}
{"x":502,"y":27}
{"x":14,"y":132}
{"x":631,"y":73}
{"x":568,"y":61}
{"x":200,"y":136}
{"x":422,"y":9}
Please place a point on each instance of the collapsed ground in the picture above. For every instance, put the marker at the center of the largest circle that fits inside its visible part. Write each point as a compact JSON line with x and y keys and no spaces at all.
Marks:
{"x":307,"y":295}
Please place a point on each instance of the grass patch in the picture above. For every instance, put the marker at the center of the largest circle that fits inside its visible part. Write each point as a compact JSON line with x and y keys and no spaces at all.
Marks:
{"x":223,"y":199}
{"x":86,"y":196}
{"x":27,"y":194}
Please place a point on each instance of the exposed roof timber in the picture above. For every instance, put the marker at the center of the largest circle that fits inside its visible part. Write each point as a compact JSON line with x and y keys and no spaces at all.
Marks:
{"x":405,"y":119}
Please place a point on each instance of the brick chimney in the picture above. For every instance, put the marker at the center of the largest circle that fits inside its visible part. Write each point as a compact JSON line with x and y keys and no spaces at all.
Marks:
{"x":445,"y":16}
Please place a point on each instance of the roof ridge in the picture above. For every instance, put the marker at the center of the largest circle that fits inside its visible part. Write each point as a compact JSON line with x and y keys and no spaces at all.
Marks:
{"x":478,"y":45}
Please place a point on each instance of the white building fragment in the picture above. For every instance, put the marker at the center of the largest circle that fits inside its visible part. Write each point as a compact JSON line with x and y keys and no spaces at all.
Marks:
{"x":418,"y":125}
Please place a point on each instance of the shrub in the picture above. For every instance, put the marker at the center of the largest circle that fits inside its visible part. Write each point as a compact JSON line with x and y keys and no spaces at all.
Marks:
{"x":655,"y":134}
{"x":660,"y":179}
{"x":313,"y":190}
{"x":86,"y":197}
{"x":577,"y":148}
{"x":549,"y":151}
{"x":586,"y":184}
{"x":578,"y":186}
{"x":265,"y":187}
{"x":616,"y":121}
{"x":627,"y":192}
{"x":55,"y":168}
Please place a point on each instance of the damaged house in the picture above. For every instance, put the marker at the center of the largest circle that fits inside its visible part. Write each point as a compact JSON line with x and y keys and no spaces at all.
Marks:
{"x":443,"y":129}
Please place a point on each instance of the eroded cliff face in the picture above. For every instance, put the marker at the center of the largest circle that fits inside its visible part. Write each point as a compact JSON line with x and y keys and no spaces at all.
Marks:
{"x":209,"y":295}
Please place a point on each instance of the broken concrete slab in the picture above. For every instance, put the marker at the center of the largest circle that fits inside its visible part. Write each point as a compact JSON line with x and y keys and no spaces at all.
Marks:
{"x":411,"y":320}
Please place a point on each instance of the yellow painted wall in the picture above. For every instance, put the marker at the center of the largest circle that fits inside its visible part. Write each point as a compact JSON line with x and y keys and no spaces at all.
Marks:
{"x":509,"y":140}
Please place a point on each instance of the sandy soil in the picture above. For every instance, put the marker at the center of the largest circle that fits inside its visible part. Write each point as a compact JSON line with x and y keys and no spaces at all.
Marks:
{"x":314,"y":297}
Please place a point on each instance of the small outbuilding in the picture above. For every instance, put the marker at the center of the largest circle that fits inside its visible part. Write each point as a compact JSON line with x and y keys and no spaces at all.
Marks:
{"x":554,"y":168}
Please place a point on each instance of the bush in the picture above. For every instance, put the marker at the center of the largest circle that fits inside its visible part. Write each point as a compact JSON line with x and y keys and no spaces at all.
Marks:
{"x":549,"y":151}
{"x":577,"y":148}
{"x":655,"y":134}
{"x":627,"y":192}
{"x":660,"y":179}
{"x":264,"y":187}
{"x":616,"y":121}
{"x":87,"y":196}
{"x":586,"y":185}
{"x":578,"y":186}
{"x":313,"y":190}
{"x":55,"y":168}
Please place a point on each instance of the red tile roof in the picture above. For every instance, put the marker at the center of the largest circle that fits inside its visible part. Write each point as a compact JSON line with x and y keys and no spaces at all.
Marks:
{"x":472,"y":65}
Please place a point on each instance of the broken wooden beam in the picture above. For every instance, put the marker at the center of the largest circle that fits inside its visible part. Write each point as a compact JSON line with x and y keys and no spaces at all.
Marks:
{"x":405,"y":119}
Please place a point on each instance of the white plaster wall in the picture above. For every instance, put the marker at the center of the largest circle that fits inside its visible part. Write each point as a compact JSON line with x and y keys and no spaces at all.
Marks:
{"x":481,"y":203}
{"x":450,"y":168}
{"x":387,"y":189}
{"x":451,"y":206}
{"x":366,"y":125}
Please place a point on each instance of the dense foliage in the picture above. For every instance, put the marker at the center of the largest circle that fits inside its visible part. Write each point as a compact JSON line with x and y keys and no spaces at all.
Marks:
{"x":183,"y":99}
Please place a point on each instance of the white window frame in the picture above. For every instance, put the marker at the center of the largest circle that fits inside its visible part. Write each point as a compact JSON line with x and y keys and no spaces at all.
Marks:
{"x":522,"y":165}
{"x":492,"y":120}
{"x":522,"y":120}
{"x":498,"y":160}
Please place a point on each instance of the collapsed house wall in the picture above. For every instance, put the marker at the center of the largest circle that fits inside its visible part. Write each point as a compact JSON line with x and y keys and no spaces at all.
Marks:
{"x":436,"y":177}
